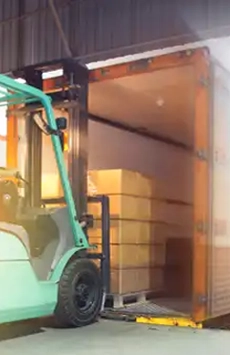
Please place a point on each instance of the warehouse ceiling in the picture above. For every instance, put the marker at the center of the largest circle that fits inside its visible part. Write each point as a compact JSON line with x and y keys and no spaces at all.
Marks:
{"x":101,"y":29}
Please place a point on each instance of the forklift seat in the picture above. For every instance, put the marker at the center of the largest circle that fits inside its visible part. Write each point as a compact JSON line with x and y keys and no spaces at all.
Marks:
{"x":18,"y":231}
{"x":40,"y":228}
{"x":50,"y":236}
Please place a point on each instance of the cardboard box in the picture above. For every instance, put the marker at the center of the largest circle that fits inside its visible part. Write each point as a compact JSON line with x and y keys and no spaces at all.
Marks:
{"x":125,"y":256}
{"x":180,"y":215}
{"x":136,"y":280}
{"x":119,"y":182}
{"x":179,"y":231}
{"x":173,"y":214}
{"x":156,"y":277}
{"x":130,"y":281}
{"x":157,"y":254}
{"x":145,"y":209}
{"x":131,"y":232}
{"x":125,"y":207}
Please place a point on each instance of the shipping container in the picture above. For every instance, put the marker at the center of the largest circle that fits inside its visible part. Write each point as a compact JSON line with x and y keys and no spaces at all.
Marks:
{"x":167,"y":118}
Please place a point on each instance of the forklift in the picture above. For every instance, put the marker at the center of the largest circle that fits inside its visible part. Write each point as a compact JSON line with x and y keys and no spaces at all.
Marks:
{"x":47,"y":264}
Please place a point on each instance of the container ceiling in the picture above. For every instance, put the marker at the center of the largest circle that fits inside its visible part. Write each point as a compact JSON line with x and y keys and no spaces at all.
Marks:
{"x":160,"y":102}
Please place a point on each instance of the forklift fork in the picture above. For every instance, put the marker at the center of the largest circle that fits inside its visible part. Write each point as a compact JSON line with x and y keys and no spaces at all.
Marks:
{"x":104,"y":256}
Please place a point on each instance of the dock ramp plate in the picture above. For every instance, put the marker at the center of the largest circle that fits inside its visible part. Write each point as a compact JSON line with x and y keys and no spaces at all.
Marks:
{"x":150,"y":313}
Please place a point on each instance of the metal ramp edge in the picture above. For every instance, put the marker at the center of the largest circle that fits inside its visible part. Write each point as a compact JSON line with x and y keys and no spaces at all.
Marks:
{"x":150,"y":313}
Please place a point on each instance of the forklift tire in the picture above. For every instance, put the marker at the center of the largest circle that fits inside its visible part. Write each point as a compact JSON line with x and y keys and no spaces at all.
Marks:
{"x":80,"y":294}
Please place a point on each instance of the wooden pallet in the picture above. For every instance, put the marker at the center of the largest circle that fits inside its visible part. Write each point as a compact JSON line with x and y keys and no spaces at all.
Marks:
{"x":120,"y":301}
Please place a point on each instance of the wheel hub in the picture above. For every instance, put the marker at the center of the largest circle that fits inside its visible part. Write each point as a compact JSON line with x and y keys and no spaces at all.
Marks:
{"x":84,"y":293}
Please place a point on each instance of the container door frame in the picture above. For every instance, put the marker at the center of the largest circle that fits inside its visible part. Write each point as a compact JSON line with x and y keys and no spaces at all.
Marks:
{"x":201,"y":185}
{"x":199,"y":59}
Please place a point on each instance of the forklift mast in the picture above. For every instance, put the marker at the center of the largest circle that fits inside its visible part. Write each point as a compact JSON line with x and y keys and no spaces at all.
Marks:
{"x":69,"y":91}
{"x":71,"y":87}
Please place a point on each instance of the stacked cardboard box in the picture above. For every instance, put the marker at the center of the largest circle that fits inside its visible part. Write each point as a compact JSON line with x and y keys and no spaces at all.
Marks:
{"x":137,"y":232}
{"x":141,"y":223}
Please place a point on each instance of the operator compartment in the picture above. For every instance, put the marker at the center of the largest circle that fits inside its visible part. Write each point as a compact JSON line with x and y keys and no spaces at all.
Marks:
{"x":34,"y":227}
{"x":22,"y":208}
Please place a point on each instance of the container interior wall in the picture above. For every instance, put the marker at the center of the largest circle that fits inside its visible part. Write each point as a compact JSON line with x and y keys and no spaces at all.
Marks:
{"x":161,"y":103}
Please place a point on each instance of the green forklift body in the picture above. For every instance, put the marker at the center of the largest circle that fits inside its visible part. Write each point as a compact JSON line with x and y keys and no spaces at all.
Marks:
{"x":23,"y":295}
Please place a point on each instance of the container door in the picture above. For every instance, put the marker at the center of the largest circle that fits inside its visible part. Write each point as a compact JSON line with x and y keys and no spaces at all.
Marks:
{"x":219,"y":261}
{"x":201,"y":186}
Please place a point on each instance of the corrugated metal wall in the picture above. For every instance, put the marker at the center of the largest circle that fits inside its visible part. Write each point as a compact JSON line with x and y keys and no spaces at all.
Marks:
{"x":100,"y":29}
{"x":8,"y":34}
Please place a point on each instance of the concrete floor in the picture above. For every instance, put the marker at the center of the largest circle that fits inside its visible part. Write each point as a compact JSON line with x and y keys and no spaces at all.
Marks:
{"x":111,"y":337}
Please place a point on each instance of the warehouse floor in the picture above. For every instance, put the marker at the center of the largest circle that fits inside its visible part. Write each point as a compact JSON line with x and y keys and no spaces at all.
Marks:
{"x":111,"y":337}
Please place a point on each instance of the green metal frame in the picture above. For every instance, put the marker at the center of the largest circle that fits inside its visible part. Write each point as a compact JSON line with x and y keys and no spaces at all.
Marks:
{"x":14,"y":93}
{"x":16,"y":276}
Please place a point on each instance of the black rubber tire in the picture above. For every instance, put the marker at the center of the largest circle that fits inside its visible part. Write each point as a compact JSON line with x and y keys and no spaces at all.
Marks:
{"x":68,"y":313}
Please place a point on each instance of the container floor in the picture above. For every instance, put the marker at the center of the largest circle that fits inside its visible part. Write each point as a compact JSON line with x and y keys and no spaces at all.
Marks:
{"x":176,"y":305}
{"x":162,"y":307}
